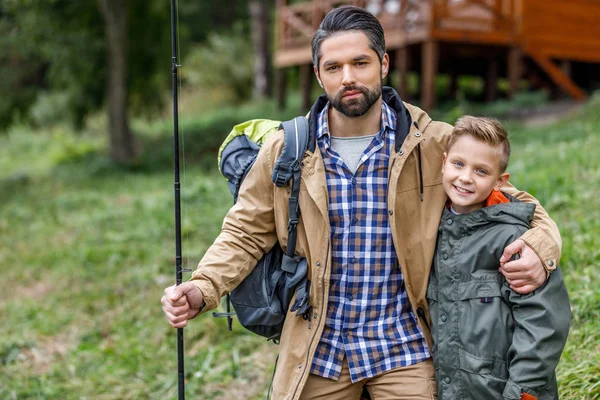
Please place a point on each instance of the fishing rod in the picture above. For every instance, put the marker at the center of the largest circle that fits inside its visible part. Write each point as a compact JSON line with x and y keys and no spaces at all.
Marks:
{"x":177,"y":188}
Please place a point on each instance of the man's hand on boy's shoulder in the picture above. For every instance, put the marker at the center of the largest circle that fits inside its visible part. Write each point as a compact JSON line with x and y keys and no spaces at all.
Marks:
{"x":525,"y":274}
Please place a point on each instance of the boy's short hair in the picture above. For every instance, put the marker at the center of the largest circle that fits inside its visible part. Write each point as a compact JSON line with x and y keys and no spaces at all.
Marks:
{"x":487,"y":130}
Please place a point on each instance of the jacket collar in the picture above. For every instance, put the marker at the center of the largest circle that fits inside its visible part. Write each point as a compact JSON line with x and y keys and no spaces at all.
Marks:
{"x":390,"y":97}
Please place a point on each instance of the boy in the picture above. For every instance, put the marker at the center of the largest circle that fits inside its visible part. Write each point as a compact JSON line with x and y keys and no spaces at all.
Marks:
{"x":489,"y":341}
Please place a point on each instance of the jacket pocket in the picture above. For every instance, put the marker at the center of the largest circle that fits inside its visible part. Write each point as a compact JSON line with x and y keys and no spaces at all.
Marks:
{"x":485,"y":325}
{"x":482,"y":377}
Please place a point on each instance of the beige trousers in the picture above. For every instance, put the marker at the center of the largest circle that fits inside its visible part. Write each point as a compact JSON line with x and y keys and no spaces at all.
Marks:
{"x":415,"y":382}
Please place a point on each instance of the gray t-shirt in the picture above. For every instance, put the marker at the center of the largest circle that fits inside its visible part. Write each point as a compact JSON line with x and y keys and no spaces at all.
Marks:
{"x":351,"y":149}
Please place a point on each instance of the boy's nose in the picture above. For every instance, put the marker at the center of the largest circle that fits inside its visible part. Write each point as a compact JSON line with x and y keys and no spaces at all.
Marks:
{"x":466,"y":178}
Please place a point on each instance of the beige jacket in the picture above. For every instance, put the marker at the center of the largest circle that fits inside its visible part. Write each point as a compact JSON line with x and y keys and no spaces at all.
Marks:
{"x":260,"y":216}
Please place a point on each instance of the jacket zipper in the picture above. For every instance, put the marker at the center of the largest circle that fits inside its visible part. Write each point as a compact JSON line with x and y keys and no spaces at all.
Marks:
{"x":306,"y":367}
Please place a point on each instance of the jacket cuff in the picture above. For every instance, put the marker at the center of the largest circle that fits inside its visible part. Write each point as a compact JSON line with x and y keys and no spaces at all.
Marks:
{"x":210,"y":300}
{"x":512,"y":391}
{"x":545,"y":248}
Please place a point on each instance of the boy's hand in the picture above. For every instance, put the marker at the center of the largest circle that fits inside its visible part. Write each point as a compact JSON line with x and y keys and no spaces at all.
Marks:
{"x":525,"y":274}
{"x":182,"y":303}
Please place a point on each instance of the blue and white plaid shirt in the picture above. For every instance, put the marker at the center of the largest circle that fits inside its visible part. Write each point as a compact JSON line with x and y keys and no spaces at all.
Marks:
{"x":369,"y":319}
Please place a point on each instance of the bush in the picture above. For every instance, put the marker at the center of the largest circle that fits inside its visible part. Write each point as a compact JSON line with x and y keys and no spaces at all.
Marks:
{"x":223,"y":63}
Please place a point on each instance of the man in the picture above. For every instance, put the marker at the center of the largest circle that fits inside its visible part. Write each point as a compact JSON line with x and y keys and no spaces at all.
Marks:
{"x":371,"y":199}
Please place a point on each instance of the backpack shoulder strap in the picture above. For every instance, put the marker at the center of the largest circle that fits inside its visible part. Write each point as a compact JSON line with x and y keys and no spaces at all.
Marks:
{"x":287,"y":169}
{"x":294,"y":145}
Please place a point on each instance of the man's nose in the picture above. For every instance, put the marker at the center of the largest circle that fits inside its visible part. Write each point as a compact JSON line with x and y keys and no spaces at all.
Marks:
{"x":348,"y":78}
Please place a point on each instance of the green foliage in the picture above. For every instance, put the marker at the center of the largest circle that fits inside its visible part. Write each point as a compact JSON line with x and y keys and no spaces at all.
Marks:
{"x":60,"y":46}
{"x":204,"y":132}
{"x":86,"y":255}
{"x":517,"y":106}
{"x":224,"y":64}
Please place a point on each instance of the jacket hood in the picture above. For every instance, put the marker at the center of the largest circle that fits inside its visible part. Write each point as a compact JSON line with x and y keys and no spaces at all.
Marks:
{"x":390,"y":97}
{"x":514,"y":213}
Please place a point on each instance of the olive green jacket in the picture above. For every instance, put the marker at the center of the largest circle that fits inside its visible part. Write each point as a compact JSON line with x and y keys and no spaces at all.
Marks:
{"x":489,"y":342}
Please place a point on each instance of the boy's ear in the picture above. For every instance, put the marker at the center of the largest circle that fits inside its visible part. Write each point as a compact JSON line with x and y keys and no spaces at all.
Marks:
{"x":444,"y":156}
{"x":502,"y":179}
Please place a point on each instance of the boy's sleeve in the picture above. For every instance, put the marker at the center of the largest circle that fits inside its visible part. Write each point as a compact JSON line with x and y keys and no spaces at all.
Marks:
{"x":544,"y":236}
{"x":542,"y":320}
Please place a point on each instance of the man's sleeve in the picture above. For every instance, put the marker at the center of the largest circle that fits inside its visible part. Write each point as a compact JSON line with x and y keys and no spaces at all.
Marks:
{"x":542,"y":321}
{"x":248,"y":232}
{"x":544,"y":236}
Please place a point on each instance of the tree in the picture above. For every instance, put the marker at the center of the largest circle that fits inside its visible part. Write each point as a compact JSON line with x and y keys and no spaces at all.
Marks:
{"x":122,"y":149}
{"x":260,"y":40}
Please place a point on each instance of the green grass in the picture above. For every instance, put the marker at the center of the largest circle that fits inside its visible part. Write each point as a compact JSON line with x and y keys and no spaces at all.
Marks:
{"x":87,"y":248}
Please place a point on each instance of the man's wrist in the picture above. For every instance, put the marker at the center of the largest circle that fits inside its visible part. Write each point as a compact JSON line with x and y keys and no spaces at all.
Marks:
{"x":549,"y":265}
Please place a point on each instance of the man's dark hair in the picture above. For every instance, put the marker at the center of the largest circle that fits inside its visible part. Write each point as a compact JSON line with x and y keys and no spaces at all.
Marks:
{"x":349,"y":18}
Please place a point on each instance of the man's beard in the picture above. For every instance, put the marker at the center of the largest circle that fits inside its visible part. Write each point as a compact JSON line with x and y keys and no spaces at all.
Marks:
{"x":355,"y":107}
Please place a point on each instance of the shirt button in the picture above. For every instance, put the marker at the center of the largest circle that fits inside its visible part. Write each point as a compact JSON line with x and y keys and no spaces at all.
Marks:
{"x":354,"y":261}
{"x":346,"y":334}
{"x":446,"y":380}
{"x":354,"y":221}
{"x":449,"y":222}
{"x":350,"y":297}
{"x":353,"y":181}
{"x":443,"y":318}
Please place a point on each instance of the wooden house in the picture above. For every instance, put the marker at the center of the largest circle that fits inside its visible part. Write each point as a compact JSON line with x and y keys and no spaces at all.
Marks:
{"x":531,"y":39}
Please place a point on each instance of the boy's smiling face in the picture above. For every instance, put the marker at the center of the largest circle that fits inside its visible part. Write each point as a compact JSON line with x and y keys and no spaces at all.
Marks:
{"x":470,"y":171}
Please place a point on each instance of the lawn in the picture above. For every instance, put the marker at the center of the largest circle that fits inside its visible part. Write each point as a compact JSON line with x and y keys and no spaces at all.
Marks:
{"x":86,"y":249}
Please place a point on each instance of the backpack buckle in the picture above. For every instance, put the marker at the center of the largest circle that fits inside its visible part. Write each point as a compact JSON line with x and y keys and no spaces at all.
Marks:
{"x":292,"y":223}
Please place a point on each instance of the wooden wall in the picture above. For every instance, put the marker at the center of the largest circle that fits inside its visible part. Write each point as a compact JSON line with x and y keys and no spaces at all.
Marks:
{"x":562,"y":29}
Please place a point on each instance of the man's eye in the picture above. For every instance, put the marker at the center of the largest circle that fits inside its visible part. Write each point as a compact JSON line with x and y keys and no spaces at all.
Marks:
{"x":361,"y":63}
{"x":332,"y":68}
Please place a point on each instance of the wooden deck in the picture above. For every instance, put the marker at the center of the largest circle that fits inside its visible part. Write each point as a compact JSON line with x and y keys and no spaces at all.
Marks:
{"x":427,"y":34}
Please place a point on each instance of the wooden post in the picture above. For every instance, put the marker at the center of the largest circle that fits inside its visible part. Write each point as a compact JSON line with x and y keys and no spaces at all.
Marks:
{"x":565,"y":66}
{"x":514,"y":70}
{"x":306,"y":73}
{"x":491,"y":83}
{"x":429,"y":67}
{"x":401,"y":71}
{"x":281,"y":88}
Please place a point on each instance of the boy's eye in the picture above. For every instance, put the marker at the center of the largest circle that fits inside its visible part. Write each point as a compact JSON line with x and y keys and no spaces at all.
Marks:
{"x":458,"y":163}
{"x":482,"y":171}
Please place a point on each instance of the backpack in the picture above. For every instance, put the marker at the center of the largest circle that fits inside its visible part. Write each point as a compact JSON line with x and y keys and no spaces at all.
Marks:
{"x":262,"y":299}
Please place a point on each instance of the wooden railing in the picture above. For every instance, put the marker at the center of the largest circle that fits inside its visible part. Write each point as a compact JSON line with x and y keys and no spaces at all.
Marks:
{"x":403,"y":19}
{"x":297,"y":22}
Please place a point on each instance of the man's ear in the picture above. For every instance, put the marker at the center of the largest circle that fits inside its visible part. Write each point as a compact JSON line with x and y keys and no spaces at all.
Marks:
{"x":317,"y":75}
{"x":502,"y":179}
{"x":385,"y":65}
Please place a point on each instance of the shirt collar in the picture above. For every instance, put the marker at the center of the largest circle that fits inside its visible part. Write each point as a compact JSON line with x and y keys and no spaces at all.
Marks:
{"x":388,"y":120}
